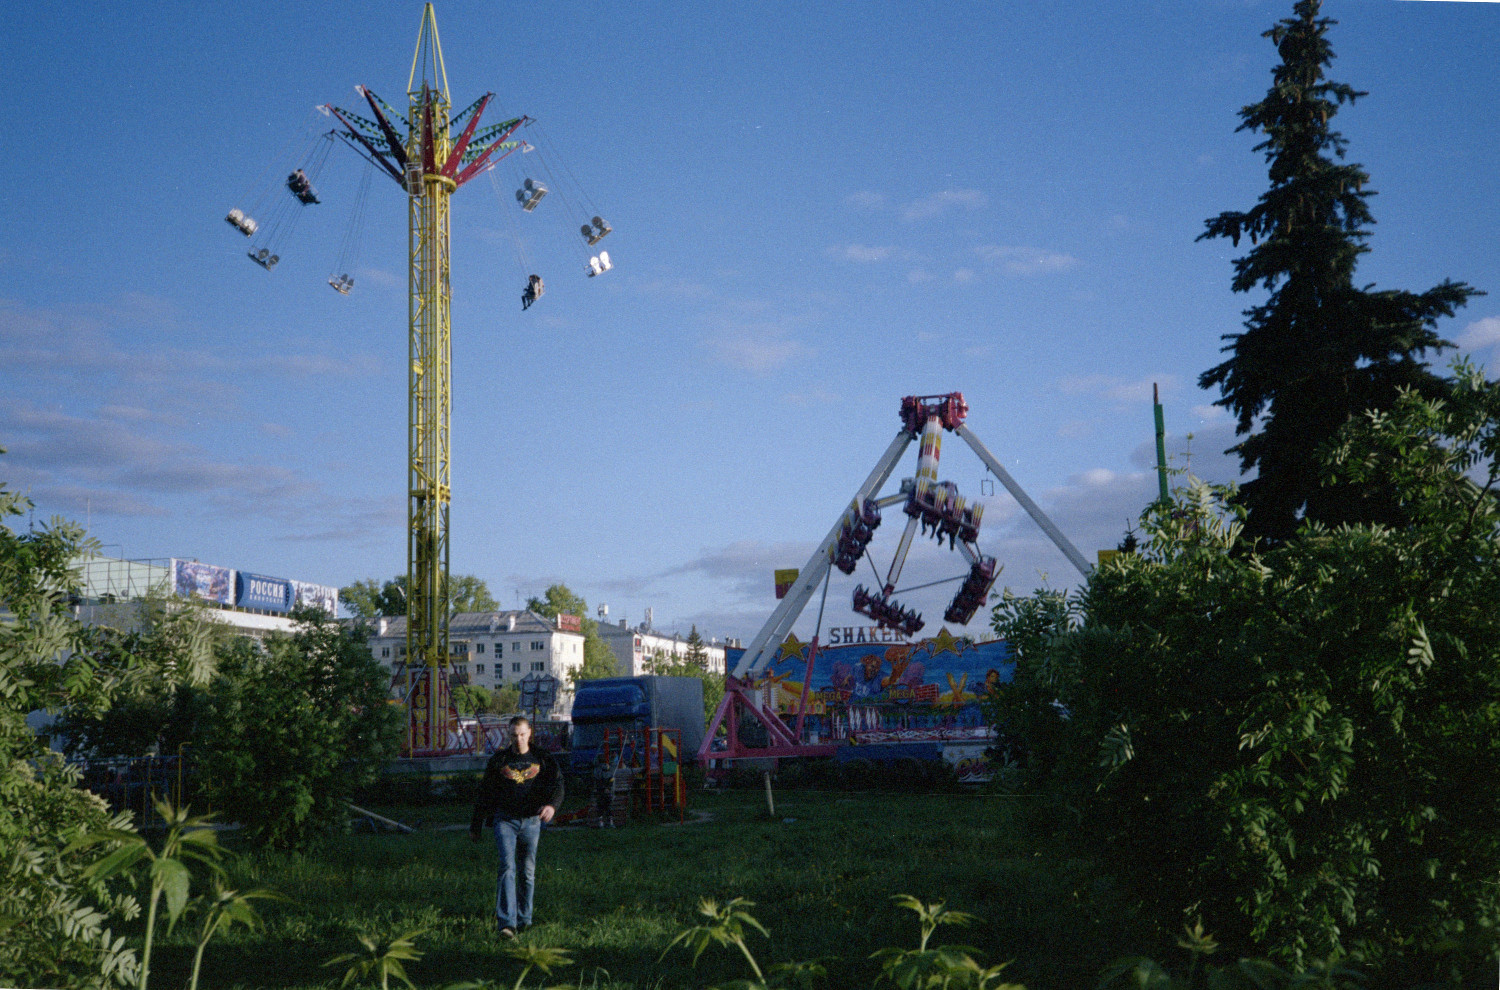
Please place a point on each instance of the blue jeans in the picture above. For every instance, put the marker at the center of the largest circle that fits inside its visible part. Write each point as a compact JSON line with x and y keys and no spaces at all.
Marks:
{"x":516,"y":839}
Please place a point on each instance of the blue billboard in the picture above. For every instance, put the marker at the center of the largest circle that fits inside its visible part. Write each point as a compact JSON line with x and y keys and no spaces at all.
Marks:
{"x":265,"y":593}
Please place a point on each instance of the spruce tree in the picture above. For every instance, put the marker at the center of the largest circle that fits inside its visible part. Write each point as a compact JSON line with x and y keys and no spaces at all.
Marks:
{"x":1318,"y":350}
{"x":697,"y":653}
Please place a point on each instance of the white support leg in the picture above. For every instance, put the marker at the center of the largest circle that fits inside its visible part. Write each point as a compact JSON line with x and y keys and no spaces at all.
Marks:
{"x":762,"y":648}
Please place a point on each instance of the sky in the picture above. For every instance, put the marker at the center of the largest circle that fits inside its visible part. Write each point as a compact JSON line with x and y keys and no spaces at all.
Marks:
{"x":816,"y":210}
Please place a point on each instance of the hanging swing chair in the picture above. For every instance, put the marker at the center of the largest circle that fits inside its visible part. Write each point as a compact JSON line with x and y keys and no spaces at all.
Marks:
{"x":341,"y":281}
{"x":282,"y":210}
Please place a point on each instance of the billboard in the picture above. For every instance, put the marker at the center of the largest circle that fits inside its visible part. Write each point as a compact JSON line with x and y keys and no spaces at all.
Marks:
{"x":318,"y":595}
{"x":265,"y":593}
{"x":194,"y":579}
{"x":569,"y":623}
{"x":785,"y":578}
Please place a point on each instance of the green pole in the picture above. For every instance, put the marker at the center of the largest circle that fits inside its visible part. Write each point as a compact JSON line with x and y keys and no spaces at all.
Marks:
{"x":1161,"y":446}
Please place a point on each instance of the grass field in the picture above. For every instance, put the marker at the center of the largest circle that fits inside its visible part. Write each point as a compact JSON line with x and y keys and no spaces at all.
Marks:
{"x":821,"y":875}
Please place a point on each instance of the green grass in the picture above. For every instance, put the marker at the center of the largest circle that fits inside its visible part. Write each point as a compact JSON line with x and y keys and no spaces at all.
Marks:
{"x":615,"y":898}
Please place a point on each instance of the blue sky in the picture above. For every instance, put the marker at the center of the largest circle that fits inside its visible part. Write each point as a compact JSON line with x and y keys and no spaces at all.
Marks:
{"x":817,"y":209}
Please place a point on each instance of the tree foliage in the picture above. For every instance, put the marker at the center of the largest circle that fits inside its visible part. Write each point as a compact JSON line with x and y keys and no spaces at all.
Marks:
{"x":472,"y":699}
{"x":369,"y":598}
{"x":598,"y":659}
{"x":697,"y":653}
{"x":1319,"y":350}
{"x":54,"y":917}
{"x":293,"y":729}
{"x":169,"y":654}
{"x":1300,"y":744}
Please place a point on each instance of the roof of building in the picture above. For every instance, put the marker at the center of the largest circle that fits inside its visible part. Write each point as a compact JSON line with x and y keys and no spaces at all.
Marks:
{"x":621,"y":632}
{"x":484,"y":623}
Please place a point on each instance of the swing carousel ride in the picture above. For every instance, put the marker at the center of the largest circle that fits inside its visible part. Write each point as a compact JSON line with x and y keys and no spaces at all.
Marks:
{"x":429,"y":153}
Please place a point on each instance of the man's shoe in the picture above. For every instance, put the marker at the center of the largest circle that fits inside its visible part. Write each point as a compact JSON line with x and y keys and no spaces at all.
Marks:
{"x":507,"y":932}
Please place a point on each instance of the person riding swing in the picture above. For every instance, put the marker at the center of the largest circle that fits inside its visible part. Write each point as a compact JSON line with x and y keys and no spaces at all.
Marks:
{"x":533,"y":291}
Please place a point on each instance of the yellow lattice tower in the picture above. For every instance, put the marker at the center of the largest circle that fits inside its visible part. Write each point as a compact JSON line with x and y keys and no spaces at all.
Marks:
{"x":430,"y":163}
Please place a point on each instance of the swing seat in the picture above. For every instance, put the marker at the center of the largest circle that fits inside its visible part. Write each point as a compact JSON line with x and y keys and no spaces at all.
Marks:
{"x":593,"y":234}
{"x":298,"y":183}
{"x":530,"y":195}
{"x":599,"y":264}
{"x":264,"y":258}
{"x":238,"y":220}
{"x":341,"y":283}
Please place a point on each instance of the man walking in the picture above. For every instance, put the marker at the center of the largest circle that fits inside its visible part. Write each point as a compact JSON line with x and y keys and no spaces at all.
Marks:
{"x":522,"y":788}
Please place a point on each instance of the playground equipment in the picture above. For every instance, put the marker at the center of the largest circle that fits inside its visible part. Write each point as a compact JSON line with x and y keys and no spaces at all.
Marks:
{"x":640,"y":770}
{"x":856,"y":696}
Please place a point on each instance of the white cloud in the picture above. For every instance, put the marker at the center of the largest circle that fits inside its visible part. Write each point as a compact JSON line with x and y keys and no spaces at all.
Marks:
{"x":941,"y":202}
{"x":964,"y":275}
{"x":918,"y":275}
{"x":1480,"y":333}
{"x":92,"y":464}
{"x":756,"y":347}
{"x":381,"y":277}
{"x":1116,"y":389}
{"x":1094,"y":478}
{"x":1209,"y":414}
{"x":1025,"y":261}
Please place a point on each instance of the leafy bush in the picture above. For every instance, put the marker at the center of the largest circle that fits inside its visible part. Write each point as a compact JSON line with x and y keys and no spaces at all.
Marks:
{"x":167,"y":657}
{"x":856,"y":774}
{"x":1298,"y":744}
{"x":292,"y":731}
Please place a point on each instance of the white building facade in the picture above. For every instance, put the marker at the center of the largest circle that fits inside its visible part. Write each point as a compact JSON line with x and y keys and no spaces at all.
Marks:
{"x":633,"y":646}
{"x":495,"y":649}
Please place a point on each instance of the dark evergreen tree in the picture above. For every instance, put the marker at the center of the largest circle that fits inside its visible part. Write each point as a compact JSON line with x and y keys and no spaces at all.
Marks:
{"x":697,"y":653}
{"x":1318,"y":350}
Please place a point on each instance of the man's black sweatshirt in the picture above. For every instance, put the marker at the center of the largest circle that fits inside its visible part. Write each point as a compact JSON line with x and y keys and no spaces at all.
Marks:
{"x":517,"y":785}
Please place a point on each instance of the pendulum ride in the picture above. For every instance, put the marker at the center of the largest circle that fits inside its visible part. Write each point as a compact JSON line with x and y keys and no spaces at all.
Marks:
{"x":933,"y":508}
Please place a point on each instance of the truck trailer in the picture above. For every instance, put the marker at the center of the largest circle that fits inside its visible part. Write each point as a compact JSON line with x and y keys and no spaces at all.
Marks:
{"x":634,"y":703}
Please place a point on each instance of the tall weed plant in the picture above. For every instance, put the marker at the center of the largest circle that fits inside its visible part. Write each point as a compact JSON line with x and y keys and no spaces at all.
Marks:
{"x":55,"y":918}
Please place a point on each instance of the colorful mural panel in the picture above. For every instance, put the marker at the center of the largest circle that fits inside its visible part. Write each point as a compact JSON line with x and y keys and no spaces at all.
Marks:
{"x":191,"y":579}
{"x":929,"y":684}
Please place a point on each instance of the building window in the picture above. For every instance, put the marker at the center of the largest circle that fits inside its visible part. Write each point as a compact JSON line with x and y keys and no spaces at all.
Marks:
{"x":478,"y":647}
{"x":385,"y":651}
{"x":479,"y":668}
{"x":515,"y":668}
{"x":539,"y":665}
{"x":538,"y":644}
